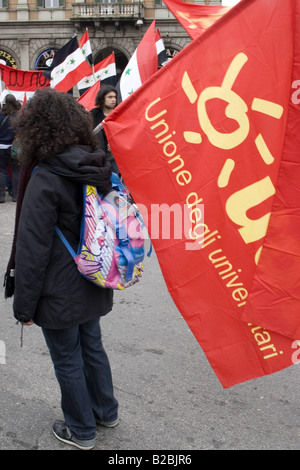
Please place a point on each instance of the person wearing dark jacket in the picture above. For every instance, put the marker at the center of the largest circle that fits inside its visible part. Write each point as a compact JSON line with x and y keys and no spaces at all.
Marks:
{"x":105,"y":103}
{"x":55,"y":134}
{"x":9,"y":110}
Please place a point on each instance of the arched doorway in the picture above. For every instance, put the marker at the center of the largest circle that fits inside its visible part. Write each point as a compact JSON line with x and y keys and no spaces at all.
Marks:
{"x":121,"y":59}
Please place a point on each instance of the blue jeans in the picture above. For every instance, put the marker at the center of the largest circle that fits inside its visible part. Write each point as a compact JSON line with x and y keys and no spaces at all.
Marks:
{"x":83,"y":372}
{"x":6,"y":160}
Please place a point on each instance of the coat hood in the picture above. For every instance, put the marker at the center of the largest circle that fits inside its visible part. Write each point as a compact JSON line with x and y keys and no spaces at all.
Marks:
{"x":81,"y":165}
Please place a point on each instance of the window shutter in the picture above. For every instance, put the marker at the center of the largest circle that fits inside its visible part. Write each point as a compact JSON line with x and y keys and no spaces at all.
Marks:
{"x":40,"y":3}
{"x":61,"y":3}
{"x":4,"y":3}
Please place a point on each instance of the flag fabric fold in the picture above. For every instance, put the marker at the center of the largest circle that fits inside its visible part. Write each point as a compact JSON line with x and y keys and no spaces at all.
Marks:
{"x":215,"y":134}
{"x":194,"y":18}
{"x":88,"y":98}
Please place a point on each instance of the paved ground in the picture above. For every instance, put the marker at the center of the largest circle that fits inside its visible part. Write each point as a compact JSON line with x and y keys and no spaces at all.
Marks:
{"x":170,"y":399}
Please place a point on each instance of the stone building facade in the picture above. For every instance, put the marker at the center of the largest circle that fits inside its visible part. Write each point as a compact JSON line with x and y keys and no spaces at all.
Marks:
{"x":32,"y":30}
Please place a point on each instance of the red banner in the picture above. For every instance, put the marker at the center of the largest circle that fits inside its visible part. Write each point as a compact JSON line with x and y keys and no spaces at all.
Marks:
{"x":194,"y":18}
{"x":22,"y":80}
{"x":219,"y":130}
{"x":21,"y":83}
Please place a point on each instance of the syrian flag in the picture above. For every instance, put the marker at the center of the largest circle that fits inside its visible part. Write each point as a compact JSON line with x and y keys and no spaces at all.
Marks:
{"x":85,"y":45}
{"x":160,"y":49}
{"x":141,"y":66}
{"x":105,"y":71}
{"x":69,"y":65}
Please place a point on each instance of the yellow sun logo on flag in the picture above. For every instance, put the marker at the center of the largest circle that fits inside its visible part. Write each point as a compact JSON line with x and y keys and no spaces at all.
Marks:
{"x":236,"y":109}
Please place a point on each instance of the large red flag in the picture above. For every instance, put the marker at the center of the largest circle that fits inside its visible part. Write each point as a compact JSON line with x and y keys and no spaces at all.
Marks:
{"x":217,"y":129}
{"x":194,"y":18}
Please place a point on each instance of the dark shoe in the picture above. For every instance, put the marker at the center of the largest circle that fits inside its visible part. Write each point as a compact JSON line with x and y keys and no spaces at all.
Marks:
{"x":2,"y":201}
{"x":63,"y":434}
{"x":109,"y":424}
{"x":14,"y":199}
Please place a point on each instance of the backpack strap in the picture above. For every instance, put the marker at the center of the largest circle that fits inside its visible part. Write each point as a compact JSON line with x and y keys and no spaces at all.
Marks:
{"x":3,"y":121}
{"x":65,"y":241}
{"x":116,"y":182}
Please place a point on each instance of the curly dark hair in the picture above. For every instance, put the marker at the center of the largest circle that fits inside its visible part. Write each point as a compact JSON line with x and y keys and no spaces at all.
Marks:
{"x":50,"y":122}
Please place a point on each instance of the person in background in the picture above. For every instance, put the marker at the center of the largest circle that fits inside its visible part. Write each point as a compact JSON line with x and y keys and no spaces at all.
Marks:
{"x":9,"y":111}
{"x":106,"y":101}
{"x":59,"y":154}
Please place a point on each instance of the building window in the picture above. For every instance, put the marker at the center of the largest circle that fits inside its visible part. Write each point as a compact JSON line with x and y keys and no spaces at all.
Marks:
{"x":49,"y":3}
{"x":44,"y":60}
{"x":3,"y":3}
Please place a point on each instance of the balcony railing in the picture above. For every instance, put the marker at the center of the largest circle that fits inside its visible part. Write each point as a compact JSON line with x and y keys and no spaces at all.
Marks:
{"x":107,"y":10}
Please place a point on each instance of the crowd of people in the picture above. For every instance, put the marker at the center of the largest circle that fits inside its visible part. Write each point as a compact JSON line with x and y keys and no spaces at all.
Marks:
{"x":9,"y":166}
{"x":58,"y":151}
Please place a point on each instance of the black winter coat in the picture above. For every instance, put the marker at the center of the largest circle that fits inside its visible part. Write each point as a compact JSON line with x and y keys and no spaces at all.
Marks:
{"x":48,"y":287}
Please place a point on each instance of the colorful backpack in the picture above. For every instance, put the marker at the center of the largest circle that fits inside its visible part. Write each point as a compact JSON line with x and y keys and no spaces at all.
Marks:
{"x":112,"y":243}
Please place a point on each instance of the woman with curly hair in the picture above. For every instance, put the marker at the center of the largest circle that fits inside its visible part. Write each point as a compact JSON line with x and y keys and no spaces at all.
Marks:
{"x":55,"y":133}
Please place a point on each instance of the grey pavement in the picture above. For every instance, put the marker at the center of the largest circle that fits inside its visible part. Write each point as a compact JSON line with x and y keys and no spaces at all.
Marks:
{"x":169,"y":397}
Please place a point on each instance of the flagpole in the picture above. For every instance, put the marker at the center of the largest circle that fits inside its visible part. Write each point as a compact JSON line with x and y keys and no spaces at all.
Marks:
{"x":93,"y":69}
{"x":98,"y":127}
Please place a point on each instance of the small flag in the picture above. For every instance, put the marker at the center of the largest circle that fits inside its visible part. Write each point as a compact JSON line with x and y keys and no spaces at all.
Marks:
{"x":88,"y":98}
{"x":141,"y":66}
{"x":160,"y":49}
{"x":69,"y":66}
{"x":85,"y":45}
{"x":105,"y":71}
